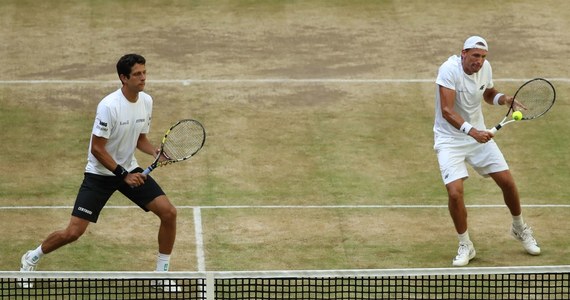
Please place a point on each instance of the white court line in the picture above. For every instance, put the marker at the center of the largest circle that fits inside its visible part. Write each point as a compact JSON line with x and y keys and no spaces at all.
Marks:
{"x":260,"y":80}
{"x":200,"y":256}
{"x":289,"y":206}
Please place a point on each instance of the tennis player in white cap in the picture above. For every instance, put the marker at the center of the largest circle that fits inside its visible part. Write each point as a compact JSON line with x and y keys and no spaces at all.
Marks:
{"x":461,"y":138}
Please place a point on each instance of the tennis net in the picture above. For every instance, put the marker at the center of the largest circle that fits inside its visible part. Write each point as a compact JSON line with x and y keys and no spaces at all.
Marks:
{"x":545,"y":282}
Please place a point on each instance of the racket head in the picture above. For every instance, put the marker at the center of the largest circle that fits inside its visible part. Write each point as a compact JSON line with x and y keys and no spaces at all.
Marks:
{"x":537,"y":96}
{"x":182,"y":141}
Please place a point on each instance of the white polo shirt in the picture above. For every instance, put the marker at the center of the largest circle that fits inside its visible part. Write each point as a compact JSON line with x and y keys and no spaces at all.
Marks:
{"x":121,"y":122}
{"x":469,"y":91}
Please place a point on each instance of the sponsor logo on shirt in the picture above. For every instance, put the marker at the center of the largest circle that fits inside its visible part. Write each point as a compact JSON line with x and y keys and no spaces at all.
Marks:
{"x":101,"y":125}
{"x":127,"y":122}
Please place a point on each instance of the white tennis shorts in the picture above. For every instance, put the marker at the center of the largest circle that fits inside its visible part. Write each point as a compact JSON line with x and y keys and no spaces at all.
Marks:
{"x":453,"y":155}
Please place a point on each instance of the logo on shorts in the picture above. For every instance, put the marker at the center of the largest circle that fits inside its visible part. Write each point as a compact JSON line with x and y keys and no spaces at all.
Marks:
{"x":85,"y":210}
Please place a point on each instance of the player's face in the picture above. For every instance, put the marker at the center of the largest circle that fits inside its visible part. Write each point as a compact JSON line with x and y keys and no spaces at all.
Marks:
{"x":137,"y":78}
{"x":473,"y":60}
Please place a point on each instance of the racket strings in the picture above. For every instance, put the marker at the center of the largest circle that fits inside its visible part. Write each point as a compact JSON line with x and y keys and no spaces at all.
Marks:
{"x":184,"y":140}
{"x":537,"y":97}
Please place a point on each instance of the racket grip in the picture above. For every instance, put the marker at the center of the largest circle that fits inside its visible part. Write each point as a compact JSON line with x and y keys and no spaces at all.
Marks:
{"x":495,"y":129}
{"x":147,"y":171}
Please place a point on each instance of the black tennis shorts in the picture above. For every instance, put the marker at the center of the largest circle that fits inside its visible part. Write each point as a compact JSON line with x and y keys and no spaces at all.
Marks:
{"x":96,"y":190}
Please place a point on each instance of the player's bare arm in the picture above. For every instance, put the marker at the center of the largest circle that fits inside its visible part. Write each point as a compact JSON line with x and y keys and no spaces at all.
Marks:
{"x":447,"y":98}
{"x":144,"y":145}
{"x":490,"y":94}
{"x":101,"y":154}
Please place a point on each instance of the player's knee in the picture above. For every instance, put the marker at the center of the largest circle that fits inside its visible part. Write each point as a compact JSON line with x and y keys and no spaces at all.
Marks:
{"x":173,"y":212}
{"x":455,"y":190}
{"x":455,"y":194}
{"x":168,"y":213}
{"x":508,"y":185}
{"x":74,"y":230}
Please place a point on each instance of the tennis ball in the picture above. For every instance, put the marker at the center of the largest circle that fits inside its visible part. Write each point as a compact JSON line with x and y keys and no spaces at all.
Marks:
{"x":517,"y":115}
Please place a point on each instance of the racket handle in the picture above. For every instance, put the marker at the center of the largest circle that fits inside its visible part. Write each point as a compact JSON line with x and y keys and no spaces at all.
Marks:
{"x":495,"y":129}
{"x":147,"y":171}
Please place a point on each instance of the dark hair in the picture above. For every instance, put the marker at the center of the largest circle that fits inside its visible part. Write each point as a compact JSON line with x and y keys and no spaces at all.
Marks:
{"x":126,"y":63}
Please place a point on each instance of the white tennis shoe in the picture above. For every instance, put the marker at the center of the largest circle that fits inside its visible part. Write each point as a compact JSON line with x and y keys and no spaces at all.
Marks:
{"x":166,"y":285}
{"x":526,"y":238}
{"x":26,"y":265}
{"x":465,"y":253}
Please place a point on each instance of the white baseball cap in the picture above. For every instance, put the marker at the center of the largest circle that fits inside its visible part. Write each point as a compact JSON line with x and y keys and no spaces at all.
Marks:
{"x":475,"y":42}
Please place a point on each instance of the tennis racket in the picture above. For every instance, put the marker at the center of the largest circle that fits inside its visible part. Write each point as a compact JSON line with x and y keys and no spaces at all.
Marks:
{"x":180,"y":142}
{"x":534,"y":98}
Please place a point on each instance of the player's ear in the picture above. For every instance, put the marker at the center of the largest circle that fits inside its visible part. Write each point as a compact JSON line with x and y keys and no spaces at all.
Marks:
{"x":123,"y":78}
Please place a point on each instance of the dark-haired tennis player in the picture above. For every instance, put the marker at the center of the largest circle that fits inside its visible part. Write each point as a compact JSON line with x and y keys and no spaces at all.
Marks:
{"x":460,"y":137}
{"x":121,"y":126}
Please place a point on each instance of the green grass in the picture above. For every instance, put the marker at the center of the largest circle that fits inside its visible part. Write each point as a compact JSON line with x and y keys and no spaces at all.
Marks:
{"x":278,"y":143}
{"x":349,"y":150}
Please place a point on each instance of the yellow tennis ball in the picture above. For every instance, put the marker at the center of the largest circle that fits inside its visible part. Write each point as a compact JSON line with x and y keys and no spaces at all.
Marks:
{"x":517,"y":115}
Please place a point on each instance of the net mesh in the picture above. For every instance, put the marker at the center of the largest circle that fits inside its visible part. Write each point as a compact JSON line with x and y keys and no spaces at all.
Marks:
{"x":100,"y":288}
{"x":506,"y":286}
{"x":463,"y":283}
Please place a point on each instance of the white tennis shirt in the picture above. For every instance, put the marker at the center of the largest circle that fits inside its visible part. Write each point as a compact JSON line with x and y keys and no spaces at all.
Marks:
{"x":469,"y":91}
{"x":120,"y":122}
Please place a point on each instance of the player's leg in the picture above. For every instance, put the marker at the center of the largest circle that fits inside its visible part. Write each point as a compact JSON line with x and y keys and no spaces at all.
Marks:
{"x":519,"y":229}
{"x":491,"y":162}
{"x":55,"y":240}
{"x":74,"y":230}
{"x":506,"y":182}
{"x":150,"y":197}
{"x":166,"y":212}
{"x":91,"y":198}
{"x":458,"y":212}
{"x":451,"y":158}
{"x":456,"y":205}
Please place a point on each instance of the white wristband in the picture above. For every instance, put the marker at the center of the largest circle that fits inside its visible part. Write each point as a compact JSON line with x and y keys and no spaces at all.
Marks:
{"x":496,"y":99}
{"x":466,"y":127}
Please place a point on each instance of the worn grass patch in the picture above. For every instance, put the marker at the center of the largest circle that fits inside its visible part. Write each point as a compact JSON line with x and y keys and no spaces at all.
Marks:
{"x":290,"y":126}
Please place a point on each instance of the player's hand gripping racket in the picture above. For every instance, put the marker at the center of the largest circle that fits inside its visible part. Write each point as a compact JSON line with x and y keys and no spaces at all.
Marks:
{"x":182,"y":141}
{"x":534,"y":98}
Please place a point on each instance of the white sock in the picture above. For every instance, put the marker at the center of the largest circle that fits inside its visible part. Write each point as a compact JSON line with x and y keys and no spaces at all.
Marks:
{"x":36,"y":254}
{"x":464,"y":237}
{"x":518,"y":222}
{"x":162,"y":262}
